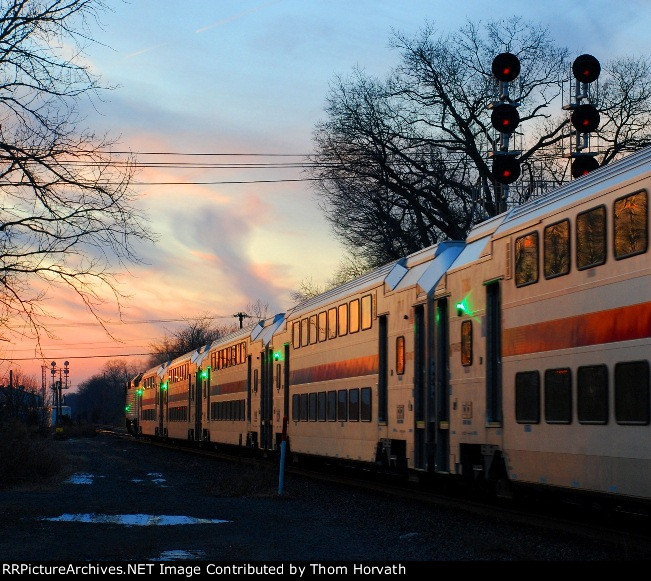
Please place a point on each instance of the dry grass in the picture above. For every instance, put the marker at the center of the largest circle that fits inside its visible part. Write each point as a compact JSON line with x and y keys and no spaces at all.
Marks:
{"x":27,"y":457}
{"x":243,"y":480}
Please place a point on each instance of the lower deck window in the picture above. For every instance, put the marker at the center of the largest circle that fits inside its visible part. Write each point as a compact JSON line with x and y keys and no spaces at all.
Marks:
{"x":558,"y":396}
{"x":592,"y":394}
{"x":331,"y":408}
{"x":342,"y":405}
{"x":321,"y":406}
{"x":527,"y":397}
{"x":353,"y":405}
{"x":365,"y":404}
{"x":632,"y":392}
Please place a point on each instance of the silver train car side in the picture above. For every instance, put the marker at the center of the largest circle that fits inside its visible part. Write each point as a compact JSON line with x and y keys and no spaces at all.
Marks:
{"x":519,"y":356}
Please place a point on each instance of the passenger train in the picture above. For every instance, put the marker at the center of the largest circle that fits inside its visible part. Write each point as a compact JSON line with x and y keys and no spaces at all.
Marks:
{"x":518,"y":356}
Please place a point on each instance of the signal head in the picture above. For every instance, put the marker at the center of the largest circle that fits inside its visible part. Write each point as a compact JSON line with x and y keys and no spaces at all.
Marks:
{"x":585,"y":118}
{"x":586,"y":68}
{"x":506,"y":67}
{"x":583,"y":165}
{"x":505,"y":118}
{"x":506,"y":169}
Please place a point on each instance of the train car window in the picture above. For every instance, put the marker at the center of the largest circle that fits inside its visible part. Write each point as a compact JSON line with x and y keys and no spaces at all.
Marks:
{"x":343,"y":319}
{"x":365,"y":404}
{"x":631,"y":224}
{"x":353,"y":312}
{"x":400,"y":355}
{"x":296,"y":407}
{"x":323,"y":326}
{"x":353,"y":405}
{"x":591,"y":238}
{"x":331,"y":409}
{"x":367,"y":312}
{"x":305,"y":334}
{"x":342,"y":405}
{"x":243,"y":352}
{"x":592,"y":394}
{"x":558,"y":396}
{"x":632,"y":393}
{"x":238,"y":353}
{"x":332,"y":323}
{"x":278,"y":375}
{"x":321,"y":407}
{"x":255,"y":381}
{"x":526,"y":259}
{"x":313,"y":400}
{"x":304,"y":407}
{"x":296,"y":334}
{"x":466,"y":343}
{"x":313,"y":332}
{"x":556,"y":249}
{"x":527,"y":397}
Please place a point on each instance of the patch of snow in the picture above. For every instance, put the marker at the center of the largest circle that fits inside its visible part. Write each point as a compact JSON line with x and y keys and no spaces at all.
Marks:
{"x":179,"y":555}
{"x":80,"y":478}
{"x":140,"y":520}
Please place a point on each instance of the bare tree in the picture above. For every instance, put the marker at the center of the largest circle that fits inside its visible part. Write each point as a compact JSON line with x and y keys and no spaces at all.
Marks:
{"x":194,"y":334}
{"x":403,"y":163}
{"x":350,"y":267}
{"x":100,"y":399}
{"x":67,"y":214}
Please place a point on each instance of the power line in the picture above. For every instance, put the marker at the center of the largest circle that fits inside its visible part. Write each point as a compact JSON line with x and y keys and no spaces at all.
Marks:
{"x":77,"y":357}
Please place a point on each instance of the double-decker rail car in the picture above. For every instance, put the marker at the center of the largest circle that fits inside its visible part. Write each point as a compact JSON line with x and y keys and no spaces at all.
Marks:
{"x":519,"y":355}
{"x":225,"y":418}
{"x":550,"y":339}
{"x":330,"y":345}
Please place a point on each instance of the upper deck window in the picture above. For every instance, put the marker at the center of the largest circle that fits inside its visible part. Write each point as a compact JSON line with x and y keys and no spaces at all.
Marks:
{"x":591,"y":238}
{"x":354,"y":315}
{"x":631,"y":221}
{"x":526,"y":259}
{"x":556,"y":251}
{"x":367,"y":305}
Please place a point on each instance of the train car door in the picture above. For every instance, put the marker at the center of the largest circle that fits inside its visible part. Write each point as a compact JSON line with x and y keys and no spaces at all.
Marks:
{"x":198,"y":406}
{"x":420,"y":396}
{"x":442,"y":388}
{"x":493,"y":353}
{"x":266,"y":399}
{"x":162,"y":408}
{"x":383,"y":364}
{"x":286,"y":383}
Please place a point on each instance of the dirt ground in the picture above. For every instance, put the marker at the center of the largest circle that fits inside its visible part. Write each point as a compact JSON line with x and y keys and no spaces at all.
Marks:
{"x":124,"y":501}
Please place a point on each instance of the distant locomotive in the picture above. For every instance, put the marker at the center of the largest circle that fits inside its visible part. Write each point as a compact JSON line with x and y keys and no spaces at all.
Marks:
{"x":520,"y":355}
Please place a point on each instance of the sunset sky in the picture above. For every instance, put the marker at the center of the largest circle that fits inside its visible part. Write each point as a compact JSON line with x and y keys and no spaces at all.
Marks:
{"x":239,"y":78}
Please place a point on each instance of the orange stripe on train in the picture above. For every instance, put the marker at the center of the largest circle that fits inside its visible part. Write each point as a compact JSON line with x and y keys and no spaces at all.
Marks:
{"x":610,"y":326}
{"x":336,"y":370}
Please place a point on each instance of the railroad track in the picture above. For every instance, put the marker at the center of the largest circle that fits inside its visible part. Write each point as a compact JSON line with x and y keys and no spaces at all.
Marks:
{"x":629,"y":531}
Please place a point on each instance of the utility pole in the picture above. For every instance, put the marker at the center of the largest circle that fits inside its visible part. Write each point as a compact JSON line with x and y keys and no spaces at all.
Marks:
{"x":241,"y":316}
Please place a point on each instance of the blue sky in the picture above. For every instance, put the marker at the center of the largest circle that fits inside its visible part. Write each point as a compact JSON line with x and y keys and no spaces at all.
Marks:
{"x":238,"y":76}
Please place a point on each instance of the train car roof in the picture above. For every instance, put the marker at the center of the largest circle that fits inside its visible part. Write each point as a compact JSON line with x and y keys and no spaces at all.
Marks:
{"x":424,"y":268}
{"x":369,"y":280}
{"x":267,"y":329}
{"x":604,"y":178}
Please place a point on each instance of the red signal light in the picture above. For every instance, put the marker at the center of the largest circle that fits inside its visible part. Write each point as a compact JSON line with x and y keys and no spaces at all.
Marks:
{"x":585,"y":118}
{"x":586,"y":68}
{"x":583,"y":165}
{"x":506,"y":169}
{"x":506,"y":67}
{"x":505,"y":118}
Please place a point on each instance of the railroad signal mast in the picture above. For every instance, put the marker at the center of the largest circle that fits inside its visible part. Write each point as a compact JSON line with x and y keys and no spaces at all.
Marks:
{"x":585,"y":116}
{"x":504,"y":118}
